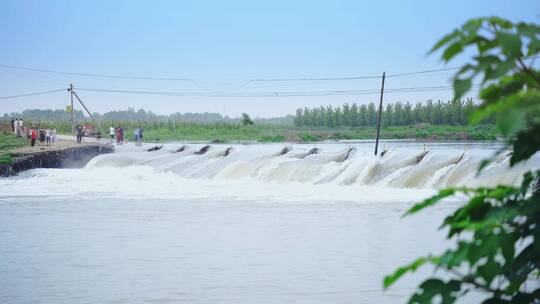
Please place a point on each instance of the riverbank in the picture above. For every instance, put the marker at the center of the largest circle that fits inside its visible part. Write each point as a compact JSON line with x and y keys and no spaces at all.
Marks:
{"x":16,"y":155}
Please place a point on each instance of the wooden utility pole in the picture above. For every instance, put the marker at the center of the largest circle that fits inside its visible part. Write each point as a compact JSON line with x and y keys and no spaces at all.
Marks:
{"x":72,"y":120}
{"x":380,"y":115}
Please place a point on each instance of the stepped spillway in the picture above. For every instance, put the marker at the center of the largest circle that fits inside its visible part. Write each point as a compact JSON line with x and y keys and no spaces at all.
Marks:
{"x":337,"y":164}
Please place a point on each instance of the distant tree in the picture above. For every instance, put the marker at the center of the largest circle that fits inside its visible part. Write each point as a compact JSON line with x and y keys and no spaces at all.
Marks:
{"x":299,"y":118}
{"x":246,"y":120}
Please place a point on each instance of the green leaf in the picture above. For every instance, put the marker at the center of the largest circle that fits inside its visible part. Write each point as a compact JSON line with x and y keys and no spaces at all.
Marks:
{"x":510,"y":121}
{"x":431,"y":201}
{"x":489,"y":271}
{"x":501,"y":69}
{"x":527,"y":143}
{"x":445,"y":40}
{"x":510,"y":43}
{"x":390,"y":279}
{"x":500,"y":22}
{"x":435,"y":287}
{"x":507,"y":247}
{"x":485,"y":246}
{"x":452,"y":258}
{"x":507,"y":86}
{"x":452,"y":51}
{"x":461,"y":86}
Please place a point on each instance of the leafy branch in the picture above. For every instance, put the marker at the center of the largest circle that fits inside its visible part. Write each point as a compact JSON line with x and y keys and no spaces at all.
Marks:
{"x":503,"y":254}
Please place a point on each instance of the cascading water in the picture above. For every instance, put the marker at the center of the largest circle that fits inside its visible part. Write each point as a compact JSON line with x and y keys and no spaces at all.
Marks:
{"x":332,"y":164}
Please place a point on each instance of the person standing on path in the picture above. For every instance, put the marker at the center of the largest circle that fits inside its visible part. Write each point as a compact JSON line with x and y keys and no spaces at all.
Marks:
{"x":16,"y":127}
{"x":12,"y":125}
{"x":48,"y":136}
{"x":41,"y":133}
{"x":121,"y":135}
{"x":54,"y":138}
{"x":136,"y":136}
{"x":80,"y":131}
{"x":33,"y":137}
{"x":111,"y":132}
{"x":118,"y":134}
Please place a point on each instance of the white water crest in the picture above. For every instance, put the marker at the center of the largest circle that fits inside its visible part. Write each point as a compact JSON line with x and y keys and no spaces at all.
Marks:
{"x":352,"y":165}
{"x":329,"y":172}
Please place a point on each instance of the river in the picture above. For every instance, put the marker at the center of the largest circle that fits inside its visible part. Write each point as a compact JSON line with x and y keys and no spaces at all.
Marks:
{"x":255,"y":223}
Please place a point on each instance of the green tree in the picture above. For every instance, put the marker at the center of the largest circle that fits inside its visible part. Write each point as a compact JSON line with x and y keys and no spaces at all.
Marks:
{"x":497,"y":232}
{"x":299,"y":119}
{"x":388,"y":115}
{"x":354,"y":115}
{"x":371,"y":114}
{"x":246,"y":120}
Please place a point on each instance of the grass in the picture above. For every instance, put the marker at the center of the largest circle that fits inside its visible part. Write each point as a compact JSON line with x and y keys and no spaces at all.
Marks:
{"x":290,"y":133}
{"x":8,"y":143}
{"x":226,"y":132}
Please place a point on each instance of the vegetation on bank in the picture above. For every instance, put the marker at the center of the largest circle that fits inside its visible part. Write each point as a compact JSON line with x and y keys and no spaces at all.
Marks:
{"x":226,"y":132}
{"x":9,"y":142}
{"x":281,"y":133}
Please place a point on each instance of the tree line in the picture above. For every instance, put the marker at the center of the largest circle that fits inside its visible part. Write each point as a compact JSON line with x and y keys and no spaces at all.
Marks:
{"x":139,"y":115}
{"x":453,"y":112}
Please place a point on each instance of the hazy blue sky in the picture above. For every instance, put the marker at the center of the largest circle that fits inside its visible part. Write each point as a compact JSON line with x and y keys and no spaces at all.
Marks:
{"x":222,"y":44}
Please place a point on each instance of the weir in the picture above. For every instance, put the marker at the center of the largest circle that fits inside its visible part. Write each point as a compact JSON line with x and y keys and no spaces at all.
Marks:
{"x":348,"y":166}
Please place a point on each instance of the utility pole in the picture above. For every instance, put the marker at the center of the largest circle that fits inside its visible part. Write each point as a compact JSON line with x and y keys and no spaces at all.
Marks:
{"x":72,"y":121}
{"x":380,"y":114}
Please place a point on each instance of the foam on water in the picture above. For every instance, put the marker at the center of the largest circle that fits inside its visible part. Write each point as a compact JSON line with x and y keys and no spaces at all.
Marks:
{"x":260,"y":172}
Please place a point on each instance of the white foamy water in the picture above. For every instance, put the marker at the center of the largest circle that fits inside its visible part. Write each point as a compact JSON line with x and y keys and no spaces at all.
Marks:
{"x":251,"y":225}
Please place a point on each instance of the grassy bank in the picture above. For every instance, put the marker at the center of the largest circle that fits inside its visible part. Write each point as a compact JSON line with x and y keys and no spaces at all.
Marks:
{"x":8,"y":143}
{"x":294,"y":134}
{"x":163,"y":131}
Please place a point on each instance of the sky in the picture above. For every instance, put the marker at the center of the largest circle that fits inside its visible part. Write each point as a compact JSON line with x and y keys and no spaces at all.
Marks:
{"x":220,"y":45}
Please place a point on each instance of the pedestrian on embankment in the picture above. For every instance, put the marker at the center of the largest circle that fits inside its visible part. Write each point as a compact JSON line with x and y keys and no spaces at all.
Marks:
{"x":12,"y":125}
{"x":16,"y":127}
{"x":41,"y":133}
{"x":33,"y":137}
{"x":118,"y":137}
{"x":48,"y":136}
{"x":54,"y":138}
{"x":111,"y":132}
{"x":136,"y":136}
{"x":80,"y":133}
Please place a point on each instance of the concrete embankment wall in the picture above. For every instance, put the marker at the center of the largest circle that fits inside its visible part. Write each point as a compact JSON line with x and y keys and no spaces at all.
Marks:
{"x":73,"y":157}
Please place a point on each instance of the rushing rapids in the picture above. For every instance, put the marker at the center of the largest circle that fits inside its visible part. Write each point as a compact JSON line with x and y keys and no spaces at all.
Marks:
{"x":343,"y":165}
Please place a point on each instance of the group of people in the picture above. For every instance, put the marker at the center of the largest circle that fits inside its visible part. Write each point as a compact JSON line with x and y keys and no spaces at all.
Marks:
{"x":46,"y":136}
{"x":17,"y":126}
{"x":118,"y":134}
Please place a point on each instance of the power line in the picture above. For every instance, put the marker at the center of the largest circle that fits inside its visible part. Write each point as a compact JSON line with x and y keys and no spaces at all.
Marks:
{"x":422,"y":72}
{"x":32,"y":94}
{"x":275,"y":94}
{"x":96,"y":75}
{"x":250,"y":94}
{"x":92,"y":74}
